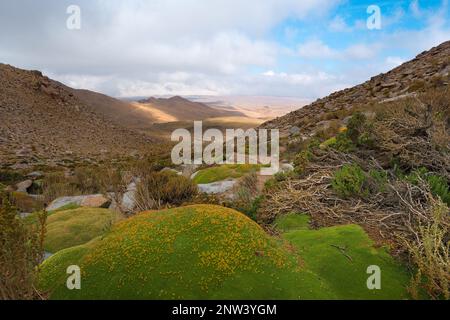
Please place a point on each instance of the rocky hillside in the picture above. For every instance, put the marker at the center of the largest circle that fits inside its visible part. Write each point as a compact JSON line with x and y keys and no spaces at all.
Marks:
{"x":118,"y":111}
{"x":45,"y":123}
{"x":428,"y":69}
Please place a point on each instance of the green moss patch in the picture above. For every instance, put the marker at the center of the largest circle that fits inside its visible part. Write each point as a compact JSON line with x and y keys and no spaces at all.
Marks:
{"x":224,"y":172}
{"x":71,"y":228}
{"x":341,"y":255}
{"x":292,"y":222}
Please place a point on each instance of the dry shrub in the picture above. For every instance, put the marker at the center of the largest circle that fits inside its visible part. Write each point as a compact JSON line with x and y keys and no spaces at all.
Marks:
{"x":246,"y":200}
{"x":56,"y":185}
{"x":21,"y":251}
{"x":114,"y":184}
{"x":157,"y":190}
{"x":415,"y":132}
{"x":429,"y":250}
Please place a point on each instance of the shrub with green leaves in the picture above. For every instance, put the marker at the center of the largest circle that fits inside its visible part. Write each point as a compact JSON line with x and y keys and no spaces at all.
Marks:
{"x":350,"y":181}
{"x":343,"y":143}
{"x":304,"y":157}
{"x":380,"y":179}
{"x":302,"y":160}
{"x":358,"y":134}
{"x":438,"y":185}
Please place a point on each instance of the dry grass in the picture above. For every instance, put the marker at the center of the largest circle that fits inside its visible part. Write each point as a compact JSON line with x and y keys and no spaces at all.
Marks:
{"x":430,"y":252}
{"x":21,"y":251}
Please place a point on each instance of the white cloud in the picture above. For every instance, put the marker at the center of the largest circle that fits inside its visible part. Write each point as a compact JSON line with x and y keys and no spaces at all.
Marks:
{"x":338,"y":24}
{"x":158,"y":45}
{"x":316,"y":49}
{"x":187,"y":47}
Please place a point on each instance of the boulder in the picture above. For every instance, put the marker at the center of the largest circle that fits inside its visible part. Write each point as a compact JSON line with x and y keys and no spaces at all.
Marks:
{"x":217,"y":187}
{"x":94,"y":201}
{"x":24,"y":186}
{"x":64,"y":201}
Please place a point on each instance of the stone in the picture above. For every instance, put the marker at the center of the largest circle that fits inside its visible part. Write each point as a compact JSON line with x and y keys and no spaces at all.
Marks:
{"x":287,"y":167}
{"x":217,"y":187}
{"x":24,"y":186}
{"x":35,"y":175}
{"x":172,"y":171}
{"x":64,"y":201}
{"x":128,"y":201}
{"x":294,"y":130}
{"x":95,"y":201}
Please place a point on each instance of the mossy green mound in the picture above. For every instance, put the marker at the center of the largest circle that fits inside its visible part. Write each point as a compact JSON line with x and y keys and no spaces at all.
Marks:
{"x":69,"y":228}
{"x":195,"y":252}
{"x":211,"y":252}
{"x":292,"y":222}
{"x":341,"y":255}
{"x":224,"y":172}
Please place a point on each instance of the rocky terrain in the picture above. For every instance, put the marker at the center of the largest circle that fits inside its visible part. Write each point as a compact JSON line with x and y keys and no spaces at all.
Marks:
{"x":428,"y":69}
{"x":44,"y":123}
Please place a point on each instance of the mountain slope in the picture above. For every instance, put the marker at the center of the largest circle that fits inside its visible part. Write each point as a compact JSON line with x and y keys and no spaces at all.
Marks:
{"x":121,"y":112}
{"x":45,"y":123}
{"x":180,"y":109}
{"x":429,"y":69}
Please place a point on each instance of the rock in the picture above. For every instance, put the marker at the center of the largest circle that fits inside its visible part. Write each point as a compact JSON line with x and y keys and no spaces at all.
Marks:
{"x":346,"y":120}
{"x":217,"y":187}
{"x":64,"y":201}
{"x":96,"y":201}
{"x":194,"y":175}
{"x":189,"y":169}
{"x":24,"y":215}
{"x":47,"y":255}
{"x":294,"y":130}
{"x":128,"y":201}
{"x":172,"y":171}
{"x":35,"y":175}
{"x":24,"y":186}
{"x":287,"y":167}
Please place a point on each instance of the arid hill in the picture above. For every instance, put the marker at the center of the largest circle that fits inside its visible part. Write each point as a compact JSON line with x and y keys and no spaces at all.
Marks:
{"x":428,"y":69}
{"x":120,"y":112}
{"x":181,"y":109}
{"x":46,"y":123}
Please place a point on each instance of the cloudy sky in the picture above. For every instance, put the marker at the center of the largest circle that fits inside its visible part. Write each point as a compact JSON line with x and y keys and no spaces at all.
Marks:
{"x":296,"y":48}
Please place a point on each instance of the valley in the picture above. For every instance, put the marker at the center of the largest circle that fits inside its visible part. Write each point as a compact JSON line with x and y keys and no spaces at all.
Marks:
{"x":363,"y":185}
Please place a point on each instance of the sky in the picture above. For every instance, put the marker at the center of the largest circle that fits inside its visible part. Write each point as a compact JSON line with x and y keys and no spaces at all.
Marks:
{"x":287,"y":48}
